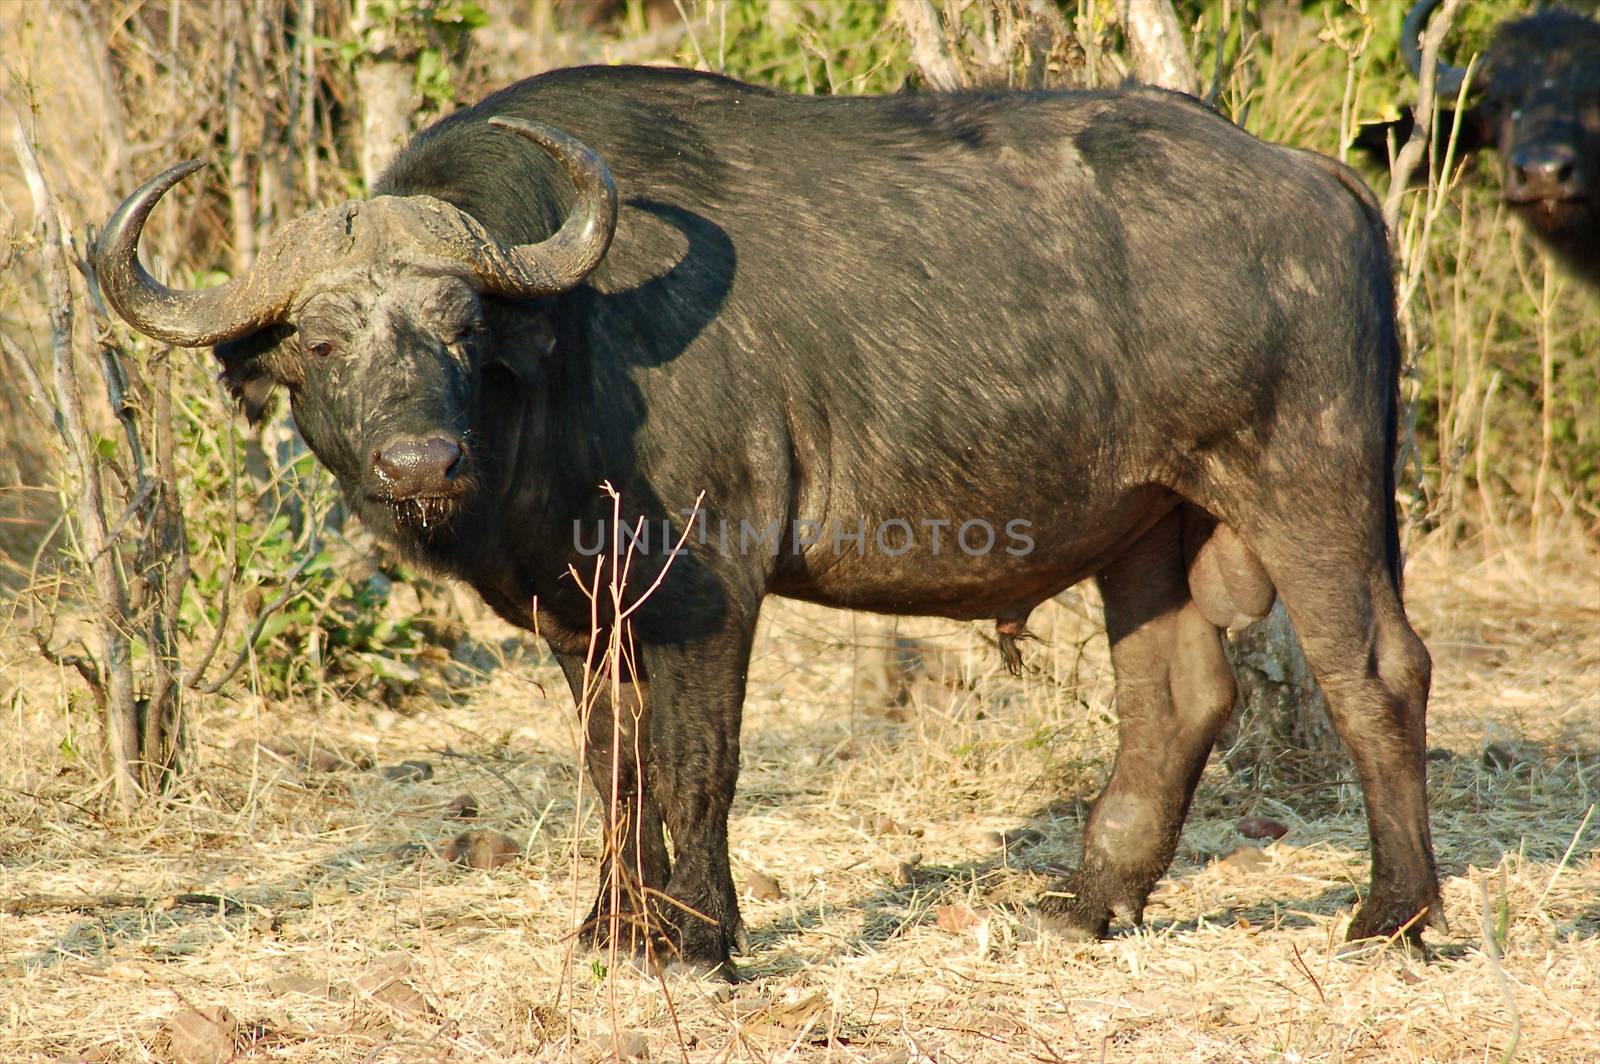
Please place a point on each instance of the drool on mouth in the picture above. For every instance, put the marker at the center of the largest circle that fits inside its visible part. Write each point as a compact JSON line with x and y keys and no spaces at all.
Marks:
{"x":422,"y":511}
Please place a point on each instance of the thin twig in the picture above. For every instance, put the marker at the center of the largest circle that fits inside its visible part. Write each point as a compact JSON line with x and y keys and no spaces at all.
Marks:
{"x":1491,"y":949}
{"x":198,"y":670}
{"x":278,"y":602}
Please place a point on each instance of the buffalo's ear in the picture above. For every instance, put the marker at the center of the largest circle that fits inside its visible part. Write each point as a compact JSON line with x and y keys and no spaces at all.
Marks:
{"x":1479,"y":130}
{"x":522,"y":338}
{"x":247,"y":368}
{"x":1372,"y":139}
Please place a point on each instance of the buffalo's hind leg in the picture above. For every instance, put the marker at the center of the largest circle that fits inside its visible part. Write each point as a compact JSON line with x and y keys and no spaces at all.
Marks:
{"x":1337,"y":581}
{"x":634,"y":863}
{"x":1174,"y":689}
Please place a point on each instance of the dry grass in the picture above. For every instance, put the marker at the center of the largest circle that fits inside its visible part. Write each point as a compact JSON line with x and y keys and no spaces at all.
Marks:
{"x":343,"y":941}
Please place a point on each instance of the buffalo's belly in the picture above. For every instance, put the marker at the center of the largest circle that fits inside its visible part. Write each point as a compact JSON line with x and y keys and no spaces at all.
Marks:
{"x":936,"y":561}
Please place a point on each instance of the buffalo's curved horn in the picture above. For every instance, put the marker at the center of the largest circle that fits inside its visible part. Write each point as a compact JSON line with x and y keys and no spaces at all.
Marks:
{"x":562,"y":261}
{"x":1447,"y":79}
{"x":188,"y":319}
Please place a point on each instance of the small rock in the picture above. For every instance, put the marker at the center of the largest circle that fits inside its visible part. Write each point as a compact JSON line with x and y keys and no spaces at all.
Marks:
{"x":462,"y":807}
{"x":619,"y":1046}
{"x":304,"y":984}
{"x":1261,"y":827}
{"x":1507,"y":756}
{"x":412,"y":771}
{"x":1245,"y":859}
{"x":404,"y":603}
{"x":1439,"y":753}
{"x":481,"y":849}
{"x":203,"y":1036}
{"x":955,"y":918}
{"x":878,"y":824}
{"x":762,"y":887}
{"x":384,"y":983}
{"x":406,"y":851}
{"x":906,"y":872}
{"x":1011,"y":841}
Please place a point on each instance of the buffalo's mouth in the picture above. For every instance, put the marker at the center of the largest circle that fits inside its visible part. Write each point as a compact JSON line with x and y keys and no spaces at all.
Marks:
{"x":423,"y":513}
{"x":1551,"y":214}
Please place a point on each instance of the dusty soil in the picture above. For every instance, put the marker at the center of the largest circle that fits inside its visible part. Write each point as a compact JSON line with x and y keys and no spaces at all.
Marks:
{"x":296,"y":905}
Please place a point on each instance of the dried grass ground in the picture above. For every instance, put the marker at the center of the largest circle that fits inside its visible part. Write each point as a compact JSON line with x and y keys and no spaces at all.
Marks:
{"x":343,"y":941}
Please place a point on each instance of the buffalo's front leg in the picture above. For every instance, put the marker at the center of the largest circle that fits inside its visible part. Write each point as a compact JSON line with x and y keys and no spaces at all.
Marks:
{"x":697,"y":696}
{"x":634,"y":862}
{"x":1174,"y":688}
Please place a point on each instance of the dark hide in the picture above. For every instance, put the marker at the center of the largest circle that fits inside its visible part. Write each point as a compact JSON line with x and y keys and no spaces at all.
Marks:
{"x":1535,"y":101}
{"x":1161,"y":348}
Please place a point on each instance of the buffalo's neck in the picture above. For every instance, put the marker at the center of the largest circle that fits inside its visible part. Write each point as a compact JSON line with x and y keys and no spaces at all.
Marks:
{"x":1570,"y":232}
{"x":518,"y":545}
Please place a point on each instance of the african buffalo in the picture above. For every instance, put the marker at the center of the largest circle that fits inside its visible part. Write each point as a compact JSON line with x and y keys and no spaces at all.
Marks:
{"x":1127,"y":338}
{"x":1534,"y":98}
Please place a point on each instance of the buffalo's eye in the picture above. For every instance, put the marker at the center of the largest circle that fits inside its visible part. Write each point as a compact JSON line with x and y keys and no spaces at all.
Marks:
{"x":319,"y":348}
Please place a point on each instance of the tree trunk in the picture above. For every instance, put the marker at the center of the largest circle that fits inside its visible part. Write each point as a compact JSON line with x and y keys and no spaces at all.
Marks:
{"x":386,"y":84}
{"x":1280,"y":727}
{"x":112,"y":681}
{"x":1160,"y":55}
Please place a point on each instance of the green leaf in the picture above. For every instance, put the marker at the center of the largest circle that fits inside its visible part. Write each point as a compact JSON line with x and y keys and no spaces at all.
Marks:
{"x":468,"y":15}
{"x":387,"y":668}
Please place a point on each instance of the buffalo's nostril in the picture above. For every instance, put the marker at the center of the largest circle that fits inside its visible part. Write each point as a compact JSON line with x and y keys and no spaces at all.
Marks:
{"x":411,"y":467}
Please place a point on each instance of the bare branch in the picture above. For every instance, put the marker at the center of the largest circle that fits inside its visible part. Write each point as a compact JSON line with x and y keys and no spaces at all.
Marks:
{"x":1411,"y":154}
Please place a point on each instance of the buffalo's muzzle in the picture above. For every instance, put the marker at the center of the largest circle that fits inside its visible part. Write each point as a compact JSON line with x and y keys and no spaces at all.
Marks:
{"x":1544,"y":173}
{"x":410,"y":468}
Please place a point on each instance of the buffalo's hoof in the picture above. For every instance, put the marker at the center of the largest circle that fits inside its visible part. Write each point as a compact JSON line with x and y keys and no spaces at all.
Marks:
{"x":656,"y":950}
{"x":704,"y":948}
{"x":1387,"y":918}
{"x":1079,"y":907}
{"x":725,"y":972}
{"x":628,"y":933}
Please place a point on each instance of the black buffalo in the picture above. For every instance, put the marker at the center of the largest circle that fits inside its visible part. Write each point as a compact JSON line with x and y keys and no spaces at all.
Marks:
{"x":1127,"y":339}
{"x":1534,"y":98}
